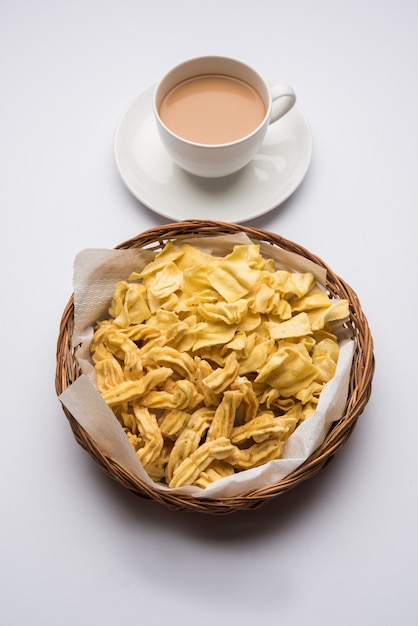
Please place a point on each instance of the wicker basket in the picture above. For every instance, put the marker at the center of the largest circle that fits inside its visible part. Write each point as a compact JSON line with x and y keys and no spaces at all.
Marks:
{"x":67,"y":371}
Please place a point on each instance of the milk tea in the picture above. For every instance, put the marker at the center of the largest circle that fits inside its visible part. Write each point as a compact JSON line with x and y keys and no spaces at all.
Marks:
{"x":212,"y":109}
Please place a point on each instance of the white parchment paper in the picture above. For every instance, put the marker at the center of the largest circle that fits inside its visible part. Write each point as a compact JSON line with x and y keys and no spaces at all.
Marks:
{"x":96,"y":272}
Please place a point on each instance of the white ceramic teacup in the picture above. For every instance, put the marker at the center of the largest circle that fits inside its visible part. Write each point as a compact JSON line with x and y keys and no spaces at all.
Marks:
{"x":212,"y":160}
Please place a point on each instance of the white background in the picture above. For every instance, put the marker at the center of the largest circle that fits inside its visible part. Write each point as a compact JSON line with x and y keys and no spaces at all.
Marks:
{"x":78,"y":549}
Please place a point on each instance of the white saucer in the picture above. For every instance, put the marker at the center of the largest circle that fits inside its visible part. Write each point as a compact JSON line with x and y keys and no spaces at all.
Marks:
{"x":154,"y":179}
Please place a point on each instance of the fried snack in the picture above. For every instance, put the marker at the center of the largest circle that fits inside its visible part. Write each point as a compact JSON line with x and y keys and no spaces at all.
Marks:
{"x":215,"y":470}
{"x":189,"y":439}
{"x":150,"y":433}
{"x":210,"y":363}
{"x":192,"y":466}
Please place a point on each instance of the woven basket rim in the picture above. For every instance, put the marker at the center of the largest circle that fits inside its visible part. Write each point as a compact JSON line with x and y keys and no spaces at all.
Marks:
{"x":362,"y":371}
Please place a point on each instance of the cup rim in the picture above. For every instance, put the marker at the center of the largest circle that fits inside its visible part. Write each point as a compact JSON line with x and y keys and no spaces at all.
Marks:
{"x":212,"y":146}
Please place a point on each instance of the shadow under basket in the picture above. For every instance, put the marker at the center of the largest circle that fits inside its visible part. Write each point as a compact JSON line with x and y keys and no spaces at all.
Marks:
{"x":362,"y":370}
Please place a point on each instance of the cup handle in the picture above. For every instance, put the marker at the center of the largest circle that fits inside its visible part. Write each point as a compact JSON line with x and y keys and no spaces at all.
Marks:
{"x":283,"y":99}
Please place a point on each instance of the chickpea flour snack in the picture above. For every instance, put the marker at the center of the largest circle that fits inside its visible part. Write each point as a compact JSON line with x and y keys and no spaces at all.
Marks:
{"x":211,"y":362}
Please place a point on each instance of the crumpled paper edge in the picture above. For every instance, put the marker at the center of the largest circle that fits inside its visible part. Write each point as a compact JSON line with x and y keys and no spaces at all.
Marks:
{"x":96,"y":272}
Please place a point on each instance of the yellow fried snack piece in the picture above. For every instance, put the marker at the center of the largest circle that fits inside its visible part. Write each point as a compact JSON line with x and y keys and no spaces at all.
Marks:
{"x":167,"y":255}
{"x":180,"y":394}
{"x":288,"y":370}
{"x":187,"y":472}
{"x":225,"y":414}
{"x":113,"y":339}
{"x":132,"y":366}
{"x":203,"y":371}
{"x":264,"y":299}
{"x":261,"y":428}
{"x":325,"y":357}
{"x":166,"y":281}
{"x":128,"y":421}
{"x":156,"y":469}
{"x":249,"y":405}
{"x":228,"y":312}
{"x":214,"y":334}
{"x":223,"y":377}
{"x":292,"y":283}
{"x":297,"y":326}
{"x":192,"y":257}
{"x":130,"y":390}
{"x":150,"y":433}
{"x":315,"y":299}
{"x":257,"y":454}
{"x":259,"y":354}
{"x":232,"y":281}
{"x":172,"y":422}
{"x":319,"y":318}
{"x":109,"y":373}
{"x":142,"y":333}
{"x":189,"y":439}
{"x":129,"y":304}
{"x":211,"y":362}
{"x":310,"y":394}
{"x":165,"y":356}
{"x":215,"y":470}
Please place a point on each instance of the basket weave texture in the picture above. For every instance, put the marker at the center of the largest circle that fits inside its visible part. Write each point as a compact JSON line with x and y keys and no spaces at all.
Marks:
{"x":67,"y":371}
